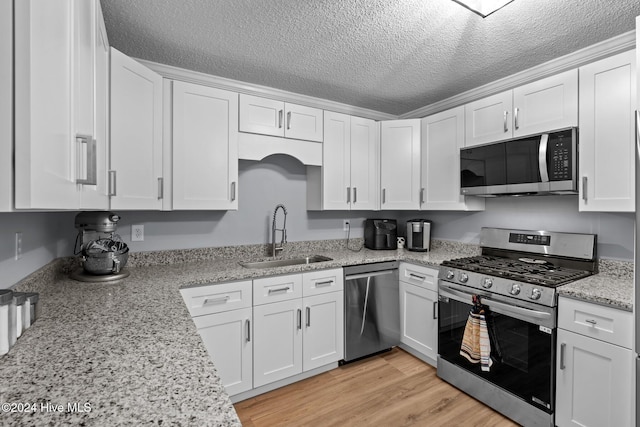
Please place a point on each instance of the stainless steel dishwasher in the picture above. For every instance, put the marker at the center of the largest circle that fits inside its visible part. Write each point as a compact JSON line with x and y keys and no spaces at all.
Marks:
{"x":371,"y":309}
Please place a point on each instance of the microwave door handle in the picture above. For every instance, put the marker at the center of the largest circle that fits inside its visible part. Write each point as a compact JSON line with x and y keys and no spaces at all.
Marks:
{"x":542,"y":157}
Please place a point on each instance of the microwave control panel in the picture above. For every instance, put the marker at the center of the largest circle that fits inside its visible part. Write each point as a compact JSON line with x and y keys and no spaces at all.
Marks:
{"x":560,"y":160}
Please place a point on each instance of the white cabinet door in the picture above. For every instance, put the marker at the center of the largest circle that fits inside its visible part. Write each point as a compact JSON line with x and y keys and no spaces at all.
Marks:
{"x":6,"y":105}
{"x":336,"y":161}
{"x":303,"y":122}
{"x":400,"y":164}
{"x":228,"y":339}
{"x":547,"y":104}
{"x":365,"y":163}
{"x":276,"y":118}
{"x":45,"y":150}
{"x":488,"y":119}
{"x":323,"y":340}
{"x":607,"y":134}
{"x":418,"y":319}
{"x":96,"y":196}
{"x":205,"y":147}
{"x":594,"y":383}
{"x":136,"y":135}
{"x":261,"y":115}
{"x":277,"y":344}
{"x":442,"y":138}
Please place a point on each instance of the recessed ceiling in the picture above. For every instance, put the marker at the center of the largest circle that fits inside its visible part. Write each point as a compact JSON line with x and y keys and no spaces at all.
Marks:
{"x":388,"y":56}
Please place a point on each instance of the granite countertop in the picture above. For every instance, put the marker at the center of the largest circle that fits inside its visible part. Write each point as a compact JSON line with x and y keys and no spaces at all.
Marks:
{"x":128,"y":353}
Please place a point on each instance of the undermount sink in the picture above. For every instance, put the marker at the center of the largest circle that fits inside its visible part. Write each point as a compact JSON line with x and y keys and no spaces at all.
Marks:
{"x":285,"y":262}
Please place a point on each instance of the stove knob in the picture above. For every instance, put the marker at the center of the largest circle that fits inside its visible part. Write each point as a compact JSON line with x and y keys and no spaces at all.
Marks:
{"x":536,"y":293}
{"x":464,"y":278}
{"x":487,"y":283}
{"x":450,"y":274}
{"x":515,"y":289}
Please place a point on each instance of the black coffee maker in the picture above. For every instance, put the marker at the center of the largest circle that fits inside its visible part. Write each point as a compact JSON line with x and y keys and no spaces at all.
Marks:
{"x":381,"y":234}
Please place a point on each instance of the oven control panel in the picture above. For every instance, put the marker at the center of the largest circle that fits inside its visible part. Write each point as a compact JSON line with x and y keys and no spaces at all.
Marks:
{"x":497,"y":285}
{"x":530,"y":239}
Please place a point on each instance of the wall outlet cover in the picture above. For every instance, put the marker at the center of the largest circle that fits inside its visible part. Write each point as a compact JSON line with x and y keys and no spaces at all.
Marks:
{"x":137,"y":233}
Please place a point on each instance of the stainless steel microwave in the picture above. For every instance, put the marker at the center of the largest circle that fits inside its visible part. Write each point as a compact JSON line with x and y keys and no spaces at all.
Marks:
{"x":539,"y":164}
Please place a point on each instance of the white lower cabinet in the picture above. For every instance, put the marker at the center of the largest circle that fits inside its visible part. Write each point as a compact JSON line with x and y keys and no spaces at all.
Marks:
{"x":594,"y":382}
{"x":298,"y":334}
{"x":234,"y":359}
{"x":270,"y":329}
{"x":419,"y":311}
{"x":223,"y":316}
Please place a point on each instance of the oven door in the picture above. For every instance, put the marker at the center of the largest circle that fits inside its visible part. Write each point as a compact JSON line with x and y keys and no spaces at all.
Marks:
{"x":523,"y":340}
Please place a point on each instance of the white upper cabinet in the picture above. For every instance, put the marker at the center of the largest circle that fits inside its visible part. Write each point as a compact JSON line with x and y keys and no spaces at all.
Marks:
{"x":489,"y":119}
{"x":205,"y":147}
{"x":349,"y":174}
{"x":136,"y":180}
{"x":6,"y":105}
{"x":544,"y":105}
{"x":56,"y":150}
{"x":400,"y":164}
{"x":442,"y":138}
{"x":276,"y":118}
{"x":607,"y":134}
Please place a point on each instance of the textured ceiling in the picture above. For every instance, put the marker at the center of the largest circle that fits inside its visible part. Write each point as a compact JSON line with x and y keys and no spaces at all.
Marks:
{"x":392,"y":56}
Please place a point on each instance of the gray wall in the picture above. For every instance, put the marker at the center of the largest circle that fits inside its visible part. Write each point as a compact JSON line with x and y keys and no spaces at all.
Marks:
{"x":282,"y":179}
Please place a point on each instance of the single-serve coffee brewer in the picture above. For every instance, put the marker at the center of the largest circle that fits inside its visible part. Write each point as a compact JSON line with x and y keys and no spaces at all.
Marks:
{"x":418,"y":235}
{"x":103,"y":254}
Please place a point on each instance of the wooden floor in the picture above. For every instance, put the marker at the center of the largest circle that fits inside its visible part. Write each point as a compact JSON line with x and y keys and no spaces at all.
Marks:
{"x":393,"y":389}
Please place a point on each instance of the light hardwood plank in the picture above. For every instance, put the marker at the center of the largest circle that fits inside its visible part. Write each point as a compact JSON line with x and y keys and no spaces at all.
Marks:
{"x":391,"y":389}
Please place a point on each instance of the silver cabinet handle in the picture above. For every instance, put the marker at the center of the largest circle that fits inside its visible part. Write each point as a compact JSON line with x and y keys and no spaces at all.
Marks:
{"x":515,"y":118}
{"x":584,"y":188}
{"x":91,"y":175}
{"x":248,"y":325}
{"x":299,"y":319}
{"x":348,"y":194}
{"x":505,"y":115}
{"x":415,"y":276}
{"x":112,"y":183}
{"x":160,"y":188}
{"x":308,"y":316}
{"x":233,"y":191}
{"x":591,"y":322}
{"x":435,"y":309}
{"x":220,"y":300}
{"x":325,"y":283}
{"x":422,"y":196}
{"x":384,"y":195}
{"x":288,"y":120}
{"x":563,"y":349}
{"x":355,"y":195}
{"x":280,"y":112}
{"x":274,"y":291}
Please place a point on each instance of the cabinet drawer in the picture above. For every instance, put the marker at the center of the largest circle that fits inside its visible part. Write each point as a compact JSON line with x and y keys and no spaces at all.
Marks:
{"x":322,"y":282}
{"x":217,"y":298}
{"x":274,"y":289}
{"x":418,"y":275}
{"x":596,"y":321}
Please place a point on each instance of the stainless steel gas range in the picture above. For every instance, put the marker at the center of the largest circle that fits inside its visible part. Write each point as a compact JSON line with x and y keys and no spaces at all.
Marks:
{"x":497,"y":318}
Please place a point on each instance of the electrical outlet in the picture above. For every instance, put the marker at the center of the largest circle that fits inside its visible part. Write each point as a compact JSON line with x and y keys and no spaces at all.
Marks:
{"x":346,"y":224}
{"x":137,"y":233}
{"x":18,"y":245}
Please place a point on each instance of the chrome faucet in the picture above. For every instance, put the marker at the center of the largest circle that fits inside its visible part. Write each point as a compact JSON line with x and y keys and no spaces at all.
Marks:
{"x":274,"y":247}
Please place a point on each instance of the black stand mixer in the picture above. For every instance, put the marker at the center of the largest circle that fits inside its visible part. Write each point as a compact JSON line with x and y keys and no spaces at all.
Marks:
{"x":103,"y":254}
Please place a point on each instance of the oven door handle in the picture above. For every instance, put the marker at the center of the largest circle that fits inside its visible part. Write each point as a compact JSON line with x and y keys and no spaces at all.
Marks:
{"x":521,"y":313}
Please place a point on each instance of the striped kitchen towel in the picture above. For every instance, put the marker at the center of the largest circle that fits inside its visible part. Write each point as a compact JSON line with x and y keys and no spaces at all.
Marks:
{"x":476,"y":346}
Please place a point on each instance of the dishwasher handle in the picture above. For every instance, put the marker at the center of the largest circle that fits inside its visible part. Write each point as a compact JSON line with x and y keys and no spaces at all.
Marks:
{"x":365,"y":275}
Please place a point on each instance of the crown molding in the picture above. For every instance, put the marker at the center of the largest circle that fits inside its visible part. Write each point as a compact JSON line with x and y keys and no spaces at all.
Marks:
{"x":181,"y":74}
{"x":609,"y":47}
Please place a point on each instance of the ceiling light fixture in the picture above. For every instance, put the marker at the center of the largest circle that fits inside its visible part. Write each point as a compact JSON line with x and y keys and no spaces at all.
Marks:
{"x":483,"y":8}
